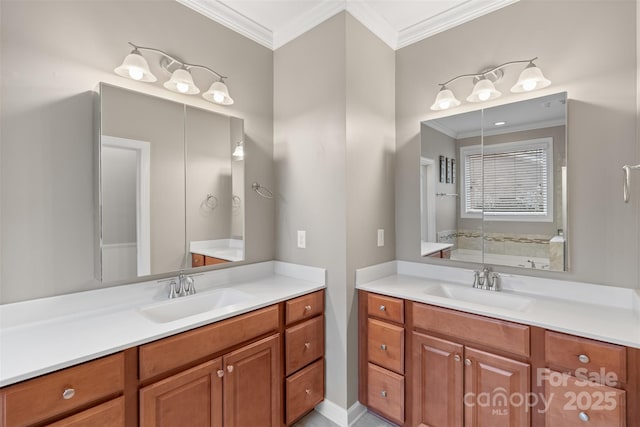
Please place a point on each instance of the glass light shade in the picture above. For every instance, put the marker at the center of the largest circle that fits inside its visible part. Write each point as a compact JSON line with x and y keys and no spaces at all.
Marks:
{"x":531,"y":78}
{"x":218,"y":93}
{"x":238,"y":153}
{"x":445,"y":100}
{"x":484,"y":90}
{"x":135,"y":67}
{"x":182,"y":82}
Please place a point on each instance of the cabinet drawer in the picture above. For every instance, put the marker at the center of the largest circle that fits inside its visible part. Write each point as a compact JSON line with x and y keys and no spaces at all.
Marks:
{"x":304,"y":307}
{"x":173,"y":352}
{"x":305,"y":390}
{"x":110,"y":414}
{"x":386,"y":308}
{"x":386,"y":393}
{"x":42,"y":398}
{"x":498,"y":334}
{"x":197,"y":260}
{"x":385,"y":345}
{"x":304,"y":343}
{"x":574,"y":402}
{"x":571,"y":353}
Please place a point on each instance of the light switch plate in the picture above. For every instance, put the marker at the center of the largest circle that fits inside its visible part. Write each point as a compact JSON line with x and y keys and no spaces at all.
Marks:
{"x":380,"y":237}
{"x":302,"y":239}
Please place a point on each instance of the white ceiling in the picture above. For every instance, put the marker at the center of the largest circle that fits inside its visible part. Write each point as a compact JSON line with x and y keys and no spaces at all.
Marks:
{"x":398,"y":23}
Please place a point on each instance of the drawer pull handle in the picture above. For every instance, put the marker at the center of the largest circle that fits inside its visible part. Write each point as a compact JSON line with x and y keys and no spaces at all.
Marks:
{"x":383,"y":308}
{"x":583,"y":358}
{"x":308,"y":391}
{"x":457,"y":358}
{"x":467,"y":362}
{"x":583,"y":416}
{"x":383,"y":347}
{"x":307,"y":308}
{"x":220,"y":373}
{"x":383,"y":393}
{"x":307,"y":345}
{"x":230,"y":368}
{"x":68,"y":393}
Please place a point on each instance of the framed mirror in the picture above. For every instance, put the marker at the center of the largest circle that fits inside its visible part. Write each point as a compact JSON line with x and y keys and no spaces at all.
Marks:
{"x":170,"y":191}
{"x":493,"y":185}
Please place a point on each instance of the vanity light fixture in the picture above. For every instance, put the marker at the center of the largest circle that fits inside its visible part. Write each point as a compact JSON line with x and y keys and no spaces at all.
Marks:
{"x":135,"y":67}
{"x":238,"y":153}
{"x":531,"y":78}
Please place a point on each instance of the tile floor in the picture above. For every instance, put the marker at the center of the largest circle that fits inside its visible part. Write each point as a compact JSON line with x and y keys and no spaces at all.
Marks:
{"x":314,"y":419}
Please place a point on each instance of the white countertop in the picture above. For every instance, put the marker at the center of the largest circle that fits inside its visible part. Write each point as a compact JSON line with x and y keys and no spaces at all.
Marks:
{"x":592,"y":311}
{"x":44,"y":335}
{"x":227,"y":249}
{"x":428,"y":248}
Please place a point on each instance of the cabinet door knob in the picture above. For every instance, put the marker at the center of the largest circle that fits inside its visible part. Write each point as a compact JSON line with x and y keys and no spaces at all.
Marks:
{"x":383,"y":393}
{"x":467,"y":362}
{"x":383,"y":347}
{"x":457,"y":358}
{"x":307,"y":345}
{"x":383,"y":308}
{"x":68,"y":393}
{"x":230,"y":368}
{"x":307,"y":308}
{"x":583,"y":358}
{"x":220,"y":373}
{"x":583,"y":416}
{"x":308,"y":391}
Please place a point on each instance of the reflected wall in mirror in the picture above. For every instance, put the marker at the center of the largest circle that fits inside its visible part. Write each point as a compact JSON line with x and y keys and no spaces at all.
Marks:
{"x":170,"y":195}
{"x":507,"y":204}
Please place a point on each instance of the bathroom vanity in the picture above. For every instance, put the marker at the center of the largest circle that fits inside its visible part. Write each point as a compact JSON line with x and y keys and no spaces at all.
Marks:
{"x":426,"y":359}
{"x":254,"y":362}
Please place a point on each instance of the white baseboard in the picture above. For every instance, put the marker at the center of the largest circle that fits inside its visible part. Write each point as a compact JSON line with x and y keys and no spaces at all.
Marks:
{"x":339,"y":415}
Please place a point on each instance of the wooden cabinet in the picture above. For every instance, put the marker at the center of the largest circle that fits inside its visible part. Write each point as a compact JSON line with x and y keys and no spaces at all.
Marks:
{"x":304,"y":355}
{"x":427,"y":366}
{"x":199,"y":260}
{"x":192,"y":397}
{"x":454,"y":385}
{"x":382,"y":348}
{"x":109,"y":414}
{"x":63,"y":393}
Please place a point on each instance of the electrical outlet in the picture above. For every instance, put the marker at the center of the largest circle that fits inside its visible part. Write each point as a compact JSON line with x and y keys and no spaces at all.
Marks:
{"x":302,"y":239}
{"x":380,"y":237}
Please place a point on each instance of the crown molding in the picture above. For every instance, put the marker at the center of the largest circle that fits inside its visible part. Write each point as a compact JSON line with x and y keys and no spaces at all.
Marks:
{"x":453,"y":17}
{"x":307,"y":21}
{"x":223,"y":14}
{"x":373,"y":21}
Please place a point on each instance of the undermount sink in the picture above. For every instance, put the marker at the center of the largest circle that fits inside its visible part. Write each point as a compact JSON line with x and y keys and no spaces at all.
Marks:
{"x":480,"y":296}
{"x":182,"y":307}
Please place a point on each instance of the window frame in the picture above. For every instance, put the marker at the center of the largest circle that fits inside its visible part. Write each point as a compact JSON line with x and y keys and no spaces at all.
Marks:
{"x":545,"y":143}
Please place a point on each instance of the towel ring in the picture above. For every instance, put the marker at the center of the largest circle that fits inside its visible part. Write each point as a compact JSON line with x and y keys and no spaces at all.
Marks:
{"x":262,"y":191}
{"x":211,"y":202}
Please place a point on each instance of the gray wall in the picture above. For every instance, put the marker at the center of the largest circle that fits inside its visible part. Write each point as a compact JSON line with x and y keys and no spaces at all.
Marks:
{"x":334,"y":141}
{"x":595,"y":62}
{"x":64,"y":48}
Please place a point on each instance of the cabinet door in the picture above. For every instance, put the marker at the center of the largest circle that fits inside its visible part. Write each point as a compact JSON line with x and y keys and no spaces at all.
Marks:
{"x":252,"y":386}
{"x":109,"y":414}
{"x":496,"y":391}
{"x":191,"y":398}
{"x":437,"y":382}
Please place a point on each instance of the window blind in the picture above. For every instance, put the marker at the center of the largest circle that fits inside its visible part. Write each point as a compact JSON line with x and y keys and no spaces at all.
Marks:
{"x":515,"y":182}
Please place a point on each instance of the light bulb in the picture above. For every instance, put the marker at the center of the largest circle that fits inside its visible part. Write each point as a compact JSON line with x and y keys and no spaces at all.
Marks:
{"x":218,"y":97}
{"x":528,"y":85}
{"x":182,"y":87}
{"x":444,"y":104}
{"x":484,"y":95}
{"x":136,"y":73}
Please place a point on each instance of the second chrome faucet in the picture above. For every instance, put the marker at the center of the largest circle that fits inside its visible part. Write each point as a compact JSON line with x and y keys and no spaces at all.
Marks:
{"x":486,"y":279}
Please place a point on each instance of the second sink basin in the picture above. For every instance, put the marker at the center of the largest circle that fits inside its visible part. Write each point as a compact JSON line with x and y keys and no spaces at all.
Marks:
{"x":479,"y":296}
{"x":182,"y":307}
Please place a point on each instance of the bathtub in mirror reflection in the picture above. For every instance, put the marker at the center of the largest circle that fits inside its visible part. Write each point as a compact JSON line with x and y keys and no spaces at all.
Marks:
{"x":171,"y":193}
{"x":493,"y":185}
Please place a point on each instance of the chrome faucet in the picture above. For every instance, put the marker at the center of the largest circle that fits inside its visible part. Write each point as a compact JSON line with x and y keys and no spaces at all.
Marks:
{"x":486,"y":279}
{"x":182,"y":286}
